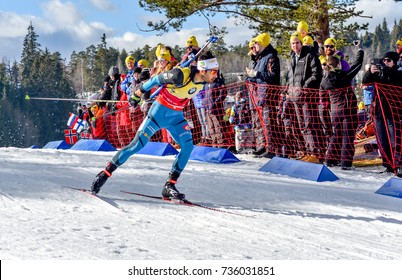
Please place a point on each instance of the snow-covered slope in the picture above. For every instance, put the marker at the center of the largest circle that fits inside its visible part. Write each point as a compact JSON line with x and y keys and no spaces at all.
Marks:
{"x":291,"y":218}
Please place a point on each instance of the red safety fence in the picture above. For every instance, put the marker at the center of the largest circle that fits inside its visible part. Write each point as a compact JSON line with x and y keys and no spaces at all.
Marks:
{"x":387,"y":117}
{"x":308,"y":124}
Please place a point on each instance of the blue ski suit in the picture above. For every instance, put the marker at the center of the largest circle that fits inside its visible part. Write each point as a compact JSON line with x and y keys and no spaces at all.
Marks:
{"x":166,"y":112}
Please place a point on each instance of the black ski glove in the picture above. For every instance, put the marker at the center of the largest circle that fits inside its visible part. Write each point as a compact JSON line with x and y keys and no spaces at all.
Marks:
{"x":134,"y":100}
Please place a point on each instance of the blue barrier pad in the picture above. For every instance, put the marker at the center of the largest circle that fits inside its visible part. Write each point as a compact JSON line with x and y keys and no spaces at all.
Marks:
{"x":61,"y":144}
{"x":299,"y":169}
{"x":93,"y":145}
{"x":158,"y":149}
{"x":393,"y":187}
{"x":213,"y":155}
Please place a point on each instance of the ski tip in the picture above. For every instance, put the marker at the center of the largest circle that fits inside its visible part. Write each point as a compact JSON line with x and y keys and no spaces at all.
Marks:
{"x":80,"y":189}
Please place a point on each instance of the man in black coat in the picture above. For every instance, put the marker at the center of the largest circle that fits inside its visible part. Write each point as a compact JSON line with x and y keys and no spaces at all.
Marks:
{"x":387,"y":109}
{"x":304,"y":78}
{"x":263,"y":72}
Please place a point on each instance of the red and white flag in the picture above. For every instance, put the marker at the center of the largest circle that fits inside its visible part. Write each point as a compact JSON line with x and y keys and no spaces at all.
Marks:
{"x":86,"y":135}
{"x":75,"y":122}
{"x":71,"y":136}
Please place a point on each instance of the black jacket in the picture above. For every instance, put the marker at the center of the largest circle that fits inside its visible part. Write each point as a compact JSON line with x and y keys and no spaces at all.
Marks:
{"x":340,"y":80}
{"x":389,"y":76}
{"x":307,"y":71}
{"x":267,"y":66}
{"x":343,"y":79}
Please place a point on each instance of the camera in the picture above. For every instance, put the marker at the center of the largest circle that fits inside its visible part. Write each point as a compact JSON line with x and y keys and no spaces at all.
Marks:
{"x":375,"y":61}
{"x":380,"y":66}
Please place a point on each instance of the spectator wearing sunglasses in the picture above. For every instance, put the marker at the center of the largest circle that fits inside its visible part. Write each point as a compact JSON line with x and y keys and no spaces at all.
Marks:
{"x":385,"y":112}
{"x":343,"y":109}
{"x":330,"y":49}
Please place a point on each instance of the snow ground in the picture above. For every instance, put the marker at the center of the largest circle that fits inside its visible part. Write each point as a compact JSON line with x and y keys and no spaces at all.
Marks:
{"x":292,"y":219}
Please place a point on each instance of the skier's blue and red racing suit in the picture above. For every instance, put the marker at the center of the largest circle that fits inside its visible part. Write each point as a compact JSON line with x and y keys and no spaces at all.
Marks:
{"x":167,"y":112}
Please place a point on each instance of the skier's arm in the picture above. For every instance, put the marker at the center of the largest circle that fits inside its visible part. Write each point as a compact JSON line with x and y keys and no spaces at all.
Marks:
{"x":175,"y":76}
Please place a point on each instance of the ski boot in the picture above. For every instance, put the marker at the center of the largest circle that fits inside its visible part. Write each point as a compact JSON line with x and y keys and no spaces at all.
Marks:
{"x":102,"y":176}
{"x":170,"y":191}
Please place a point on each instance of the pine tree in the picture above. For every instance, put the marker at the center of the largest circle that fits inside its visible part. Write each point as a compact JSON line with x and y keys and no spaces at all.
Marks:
{"x":219,"y":48}
{"x":381,"y":39}
{"x":367,"y":40}
{"x":272,"y":16}
{"x":30,"y":52}
{"x":396,"y":34}
{"x":91,"y":81}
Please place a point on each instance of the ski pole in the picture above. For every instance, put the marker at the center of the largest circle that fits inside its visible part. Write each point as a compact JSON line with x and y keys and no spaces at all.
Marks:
{"x":69,"y":99}
{"x":155,"y":94}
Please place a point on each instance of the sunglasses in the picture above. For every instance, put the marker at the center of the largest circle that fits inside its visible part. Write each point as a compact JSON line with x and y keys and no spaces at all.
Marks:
{"x":189,"y":47}
{"x":329,"y":46}
{"x":214,"y":72}
{"x":386,"y":60}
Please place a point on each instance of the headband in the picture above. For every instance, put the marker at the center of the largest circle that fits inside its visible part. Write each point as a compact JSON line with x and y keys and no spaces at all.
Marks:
{"x":207,"y":64}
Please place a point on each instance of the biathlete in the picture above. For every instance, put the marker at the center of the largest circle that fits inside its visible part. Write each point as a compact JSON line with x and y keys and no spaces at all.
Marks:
{"x":179,"y":86}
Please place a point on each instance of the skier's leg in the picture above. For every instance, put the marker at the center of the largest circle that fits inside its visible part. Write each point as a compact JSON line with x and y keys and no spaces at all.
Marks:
{"x":181,"y":133}
{"x":148,"y":128}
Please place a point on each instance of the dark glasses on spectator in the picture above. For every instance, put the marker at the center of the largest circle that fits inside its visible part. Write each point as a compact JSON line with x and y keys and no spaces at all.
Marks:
{"x":386,"y":60}
{"x":329,"y":46}
{"x":189,"y":47}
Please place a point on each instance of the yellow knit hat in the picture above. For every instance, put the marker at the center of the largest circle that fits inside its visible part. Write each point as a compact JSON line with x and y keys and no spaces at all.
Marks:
{"x":162,"y":53}
{"x":330,"y":41}
{"x":296,"y":35}
{"x":307,"y":40}
{"x":263,"y":39}
{"x":322,"y":59}
{"x":399,"y":42}
{"x":192,"y":41}
{"x":143,"y":62}
{"x":130,"y":58}
{"x":302,"y":26}
{"x":251,"y":43}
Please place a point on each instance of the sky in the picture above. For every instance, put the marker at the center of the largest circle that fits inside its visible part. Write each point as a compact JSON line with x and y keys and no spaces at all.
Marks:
{"x":280,"y":217}
{"x":65,"y":26}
